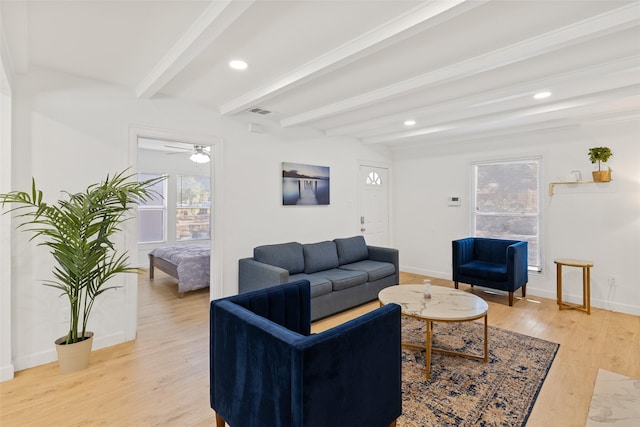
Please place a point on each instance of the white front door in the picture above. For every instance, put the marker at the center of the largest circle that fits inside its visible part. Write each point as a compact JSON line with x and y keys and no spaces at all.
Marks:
{"x":374,"y":204}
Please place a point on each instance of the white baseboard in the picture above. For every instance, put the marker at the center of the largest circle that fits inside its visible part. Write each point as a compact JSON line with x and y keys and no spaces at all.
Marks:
{"x":35,"y":359}
{"x":6,"y":372}
{"x":545,"y":293}
{"x":577,"y":299}
{"x":50,"y":355}
{"x":430,"y":273}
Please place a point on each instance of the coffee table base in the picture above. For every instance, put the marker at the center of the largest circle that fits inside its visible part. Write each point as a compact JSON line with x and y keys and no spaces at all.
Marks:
{"x":429,"y":348}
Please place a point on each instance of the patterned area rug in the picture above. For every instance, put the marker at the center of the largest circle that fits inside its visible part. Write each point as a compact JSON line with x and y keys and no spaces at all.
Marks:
{"x":469,"y":392}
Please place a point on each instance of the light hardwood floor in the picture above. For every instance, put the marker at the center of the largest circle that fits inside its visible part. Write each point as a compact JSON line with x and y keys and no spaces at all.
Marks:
{"x":162,"y":379}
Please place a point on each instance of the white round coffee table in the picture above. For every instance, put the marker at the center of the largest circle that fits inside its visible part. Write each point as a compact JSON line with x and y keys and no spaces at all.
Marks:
{"x":445,"y":305}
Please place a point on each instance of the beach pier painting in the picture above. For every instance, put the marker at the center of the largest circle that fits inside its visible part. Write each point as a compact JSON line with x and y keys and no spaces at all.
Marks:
{"x":305,"y":184}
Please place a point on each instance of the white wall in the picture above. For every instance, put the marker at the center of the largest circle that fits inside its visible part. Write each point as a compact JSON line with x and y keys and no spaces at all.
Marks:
{"x":6,"y":364}
{"x":254,"y":198}
{"x":597,"y":222}
{"x":70,"y":132}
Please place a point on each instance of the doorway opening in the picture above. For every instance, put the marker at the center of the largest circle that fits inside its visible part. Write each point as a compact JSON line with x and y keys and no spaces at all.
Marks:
{"x":187,"y":214}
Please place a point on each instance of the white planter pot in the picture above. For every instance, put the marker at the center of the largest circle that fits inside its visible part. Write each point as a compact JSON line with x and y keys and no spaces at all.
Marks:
{"x":74,"y":357}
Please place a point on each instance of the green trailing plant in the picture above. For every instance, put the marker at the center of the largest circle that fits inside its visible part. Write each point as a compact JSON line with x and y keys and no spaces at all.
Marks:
{"x":80,"y":229}
{"x":599,"y":154}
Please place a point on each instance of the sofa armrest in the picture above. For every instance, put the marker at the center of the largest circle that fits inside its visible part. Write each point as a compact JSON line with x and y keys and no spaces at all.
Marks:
{"x":250,"y":365}
{"x":518,"y":263}
{"x":254,"y":275}
{"x":462,"y":252}
{"x":377,"y":253}
{"x":391,"y":255}
{"x":351,"y":368}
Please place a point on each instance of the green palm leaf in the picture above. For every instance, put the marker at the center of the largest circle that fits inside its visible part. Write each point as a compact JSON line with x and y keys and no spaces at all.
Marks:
{"x":80,"y":230}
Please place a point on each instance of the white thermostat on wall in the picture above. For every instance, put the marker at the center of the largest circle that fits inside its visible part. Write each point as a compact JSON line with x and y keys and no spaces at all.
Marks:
{"x":454,"y":201}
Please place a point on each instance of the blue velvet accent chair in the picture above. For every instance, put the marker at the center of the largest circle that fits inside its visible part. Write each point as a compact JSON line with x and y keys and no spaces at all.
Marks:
{"x":492,"y":263}
{"x":267,"y":369}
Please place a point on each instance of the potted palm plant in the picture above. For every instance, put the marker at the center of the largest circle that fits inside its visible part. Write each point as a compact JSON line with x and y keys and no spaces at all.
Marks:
{"x":600,"y":155}
{"x":80,"y":229}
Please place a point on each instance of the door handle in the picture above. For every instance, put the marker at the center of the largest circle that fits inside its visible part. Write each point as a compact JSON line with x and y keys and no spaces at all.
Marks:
{"x":362,"y":229}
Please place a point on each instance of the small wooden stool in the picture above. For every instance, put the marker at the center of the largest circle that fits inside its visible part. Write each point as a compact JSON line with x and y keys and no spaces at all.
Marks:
{"x":586,"y":284}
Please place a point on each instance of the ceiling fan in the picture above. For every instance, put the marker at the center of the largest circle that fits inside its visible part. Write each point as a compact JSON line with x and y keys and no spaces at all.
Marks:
{"x":199,"y":153}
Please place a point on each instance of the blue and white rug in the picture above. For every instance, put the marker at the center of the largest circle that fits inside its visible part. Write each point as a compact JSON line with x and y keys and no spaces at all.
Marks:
{"x":468,"y":392}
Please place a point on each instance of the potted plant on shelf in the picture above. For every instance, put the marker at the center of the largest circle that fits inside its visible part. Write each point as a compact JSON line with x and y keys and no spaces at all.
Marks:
{"x":600,"y":155}
{"x":80,"y":229}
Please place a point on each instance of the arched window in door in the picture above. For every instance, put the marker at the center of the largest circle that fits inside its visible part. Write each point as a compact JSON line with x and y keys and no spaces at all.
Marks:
{"x":373,"y":178}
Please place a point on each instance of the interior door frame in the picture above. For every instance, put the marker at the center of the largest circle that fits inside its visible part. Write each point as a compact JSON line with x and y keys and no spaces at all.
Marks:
{"x":382,"y":165}
{"x":216,"y":224}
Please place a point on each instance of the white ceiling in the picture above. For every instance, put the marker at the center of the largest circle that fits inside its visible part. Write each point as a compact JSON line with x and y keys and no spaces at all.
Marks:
{"x":359,"y":68}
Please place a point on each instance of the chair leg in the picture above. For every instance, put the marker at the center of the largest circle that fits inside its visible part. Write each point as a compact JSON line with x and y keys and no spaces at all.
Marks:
{"x":510,"y":299}
{"x":455,"y":284}
{"x":524,"y":290}
{"x":219,"y":421}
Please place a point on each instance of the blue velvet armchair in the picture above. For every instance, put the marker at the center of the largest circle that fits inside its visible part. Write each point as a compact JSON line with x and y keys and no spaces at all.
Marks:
{"x":493,"y":263}
{"x":267,"y":369}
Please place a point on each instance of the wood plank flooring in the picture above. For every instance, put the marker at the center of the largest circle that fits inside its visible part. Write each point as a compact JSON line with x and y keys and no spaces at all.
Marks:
{"x":162,"y":378}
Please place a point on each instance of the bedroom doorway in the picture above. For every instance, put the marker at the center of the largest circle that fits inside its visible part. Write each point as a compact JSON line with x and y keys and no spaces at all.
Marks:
{"x":186,"y":213}
{"x":182,"y":215}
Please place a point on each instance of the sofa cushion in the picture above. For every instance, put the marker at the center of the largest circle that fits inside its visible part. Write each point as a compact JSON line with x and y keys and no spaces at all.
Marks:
{"x":484,"y":270}
{"x":319,"y":285}
{"x":343,"y":279}
{"x":375,"y":269}
{"x":351,"y":249}
{"x":284,"y":255}
{"x":319,"y":256}
{"x":491,"y":250}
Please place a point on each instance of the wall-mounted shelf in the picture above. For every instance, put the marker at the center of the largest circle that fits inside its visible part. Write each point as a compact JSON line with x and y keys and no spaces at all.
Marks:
{"x":552,"y":184}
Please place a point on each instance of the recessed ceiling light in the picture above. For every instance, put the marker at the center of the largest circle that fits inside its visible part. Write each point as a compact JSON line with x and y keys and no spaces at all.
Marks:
{"x":409,"y":122}
{"x":541,"y":95}
{"x":238,"y":64}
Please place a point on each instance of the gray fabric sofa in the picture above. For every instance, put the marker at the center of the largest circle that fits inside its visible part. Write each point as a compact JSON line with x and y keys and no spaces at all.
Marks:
{"x":343,"y":273}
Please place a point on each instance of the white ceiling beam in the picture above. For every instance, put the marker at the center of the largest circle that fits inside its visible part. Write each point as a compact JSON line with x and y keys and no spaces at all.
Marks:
{"x":443,"y":142}
{"x":213,"y":22}
{"x":542,"y":112}
{"x":615,"y":20}
{"x":392,"y":31}
{"x":460,"y":105}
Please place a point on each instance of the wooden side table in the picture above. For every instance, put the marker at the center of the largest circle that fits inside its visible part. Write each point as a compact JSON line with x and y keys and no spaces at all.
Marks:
{"x":586,"y":284}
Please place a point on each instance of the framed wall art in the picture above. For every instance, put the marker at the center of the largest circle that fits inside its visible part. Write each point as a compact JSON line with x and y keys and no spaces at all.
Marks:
{"x":305,"y":184}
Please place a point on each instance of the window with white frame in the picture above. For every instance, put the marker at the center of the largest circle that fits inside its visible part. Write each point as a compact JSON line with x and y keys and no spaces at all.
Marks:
{"x":152,"y":213}
{"x":506,"y":203}
{"x":193,"y":207}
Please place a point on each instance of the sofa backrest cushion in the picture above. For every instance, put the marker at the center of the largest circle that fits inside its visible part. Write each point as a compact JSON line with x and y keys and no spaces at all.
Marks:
{"x":284,"y":255}
{"x":351,"y":249}
{"x":320,"y":256}
{"x":491,"y":250}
